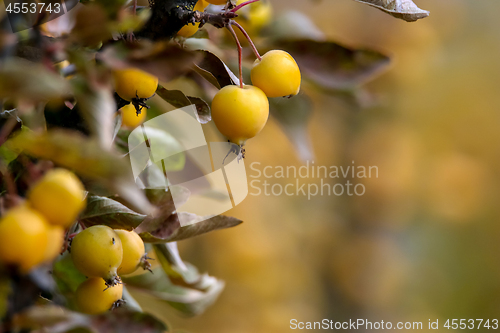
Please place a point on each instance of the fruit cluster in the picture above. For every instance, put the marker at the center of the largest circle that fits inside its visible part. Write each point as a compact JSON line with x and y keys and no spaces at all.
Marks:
{"x":240,"y":112}
{"x":33,"y":232}
{"x":102,"y":254}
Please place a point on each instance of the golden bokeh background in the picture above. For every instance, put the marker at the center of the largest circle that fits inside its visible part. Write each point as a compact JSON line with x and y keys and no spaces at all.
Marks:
{"x":423,"y":242}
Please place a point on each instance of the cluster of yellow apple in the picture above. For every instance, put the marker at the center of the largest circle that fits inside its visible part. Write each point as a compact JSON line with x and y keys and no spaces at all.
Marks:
{"x":239,"y":112}
{"x":33,"y":232}
{"x":102,"y":254}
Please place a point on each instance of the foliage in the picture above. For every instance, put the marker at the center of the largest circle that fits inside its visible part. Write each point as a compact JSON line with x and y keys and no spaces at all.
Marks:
{"x":67,"y":116}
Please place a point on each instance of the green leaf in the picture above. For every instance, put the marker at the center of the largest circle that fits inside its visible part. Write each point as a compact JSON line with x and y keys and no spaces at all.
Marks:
{"x":202,"y":108}
{"x":214,"y":223}
{"x":187,"y":300}
{"x":102,"y":210}
{"x":56,"y":319}
{"x":193,"y":302}
{"x":7,"y":155}
{"x":174,"y":97}
{"x":293,"y":115}
{"x":67,"y":278}
{"x":162,"y":198}
{"x":171,"y":231}
{"x":165,"y":221}
{"x":333,"y":66}
{"x":179,"y":100}
{"x":185,"y":289}
{"x":208,"y":76}
{"x":402,"y":9}
{"x":9,"y":122}
{"x":173,"y":266}
{"x":130,"y":301}
{"x":158,"y":229}
{"x":165,"y":144}
{"x":25,"y":80}
{"x":214,"y":70}
{"x":87,"y":158}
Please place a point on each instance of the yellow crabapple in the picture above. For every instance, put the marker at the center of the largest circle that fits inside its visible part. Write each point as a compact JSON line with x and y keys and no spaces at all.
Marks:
{"x":55,"y":242}
{"x":93,"y":296}
{"x":133,"y":83}
{"x":130,"y":118}
{"x":277,"y":74}
{"x":59,"y":196}
{"x":23,"y":237}
{"x":97,"y":252}
{"x":134,"y":253}
{"x":240,"y":113}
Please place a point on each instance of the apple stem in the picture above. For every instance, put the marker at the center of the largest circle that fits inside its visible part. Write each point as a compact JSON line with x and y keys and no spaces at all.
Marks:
{"x":9,"y":125}
{"x":8,"y":180}
{"x":248,"y":38}
{"x":134,"y":7}
{"x":241,"y":5}
{"x":130,"y":33}
{"x":240,"y":52}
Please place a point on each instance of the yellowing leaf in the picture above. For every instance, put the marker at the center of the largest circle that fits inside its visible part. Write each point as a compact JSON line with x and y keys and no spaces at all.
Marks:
{"x":87,"y":158}
{"x":29,"y":81}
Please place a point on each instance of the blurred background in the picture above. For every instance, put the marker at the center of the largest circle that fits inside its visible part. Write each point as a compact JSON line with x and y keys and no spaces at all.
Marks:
{"x":423,"y":241}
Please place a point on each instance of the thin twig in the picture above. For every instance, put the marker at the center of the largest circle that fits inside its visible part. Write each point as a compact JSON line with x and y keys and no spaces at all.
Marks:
{"x":241,"y":5}
{"x":233,"y":22}
{"x":82,"y":225}
{"x":130,"y":34}
{"x":65,"y":245}
{"x":134,"y":7}
{"x":7,"y":128}
{"x":33,"y":173}
{"x":70,"y":234}
{"x":219,"y":20}
{"x":9,"y":182}
{"x":240,"y":52}
{"x":11,"y":199}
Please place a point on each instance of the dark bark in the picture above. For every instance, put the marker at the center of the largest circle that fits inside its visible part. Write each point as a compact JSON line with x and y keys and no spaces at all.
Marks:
{"x":168,"y":17}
